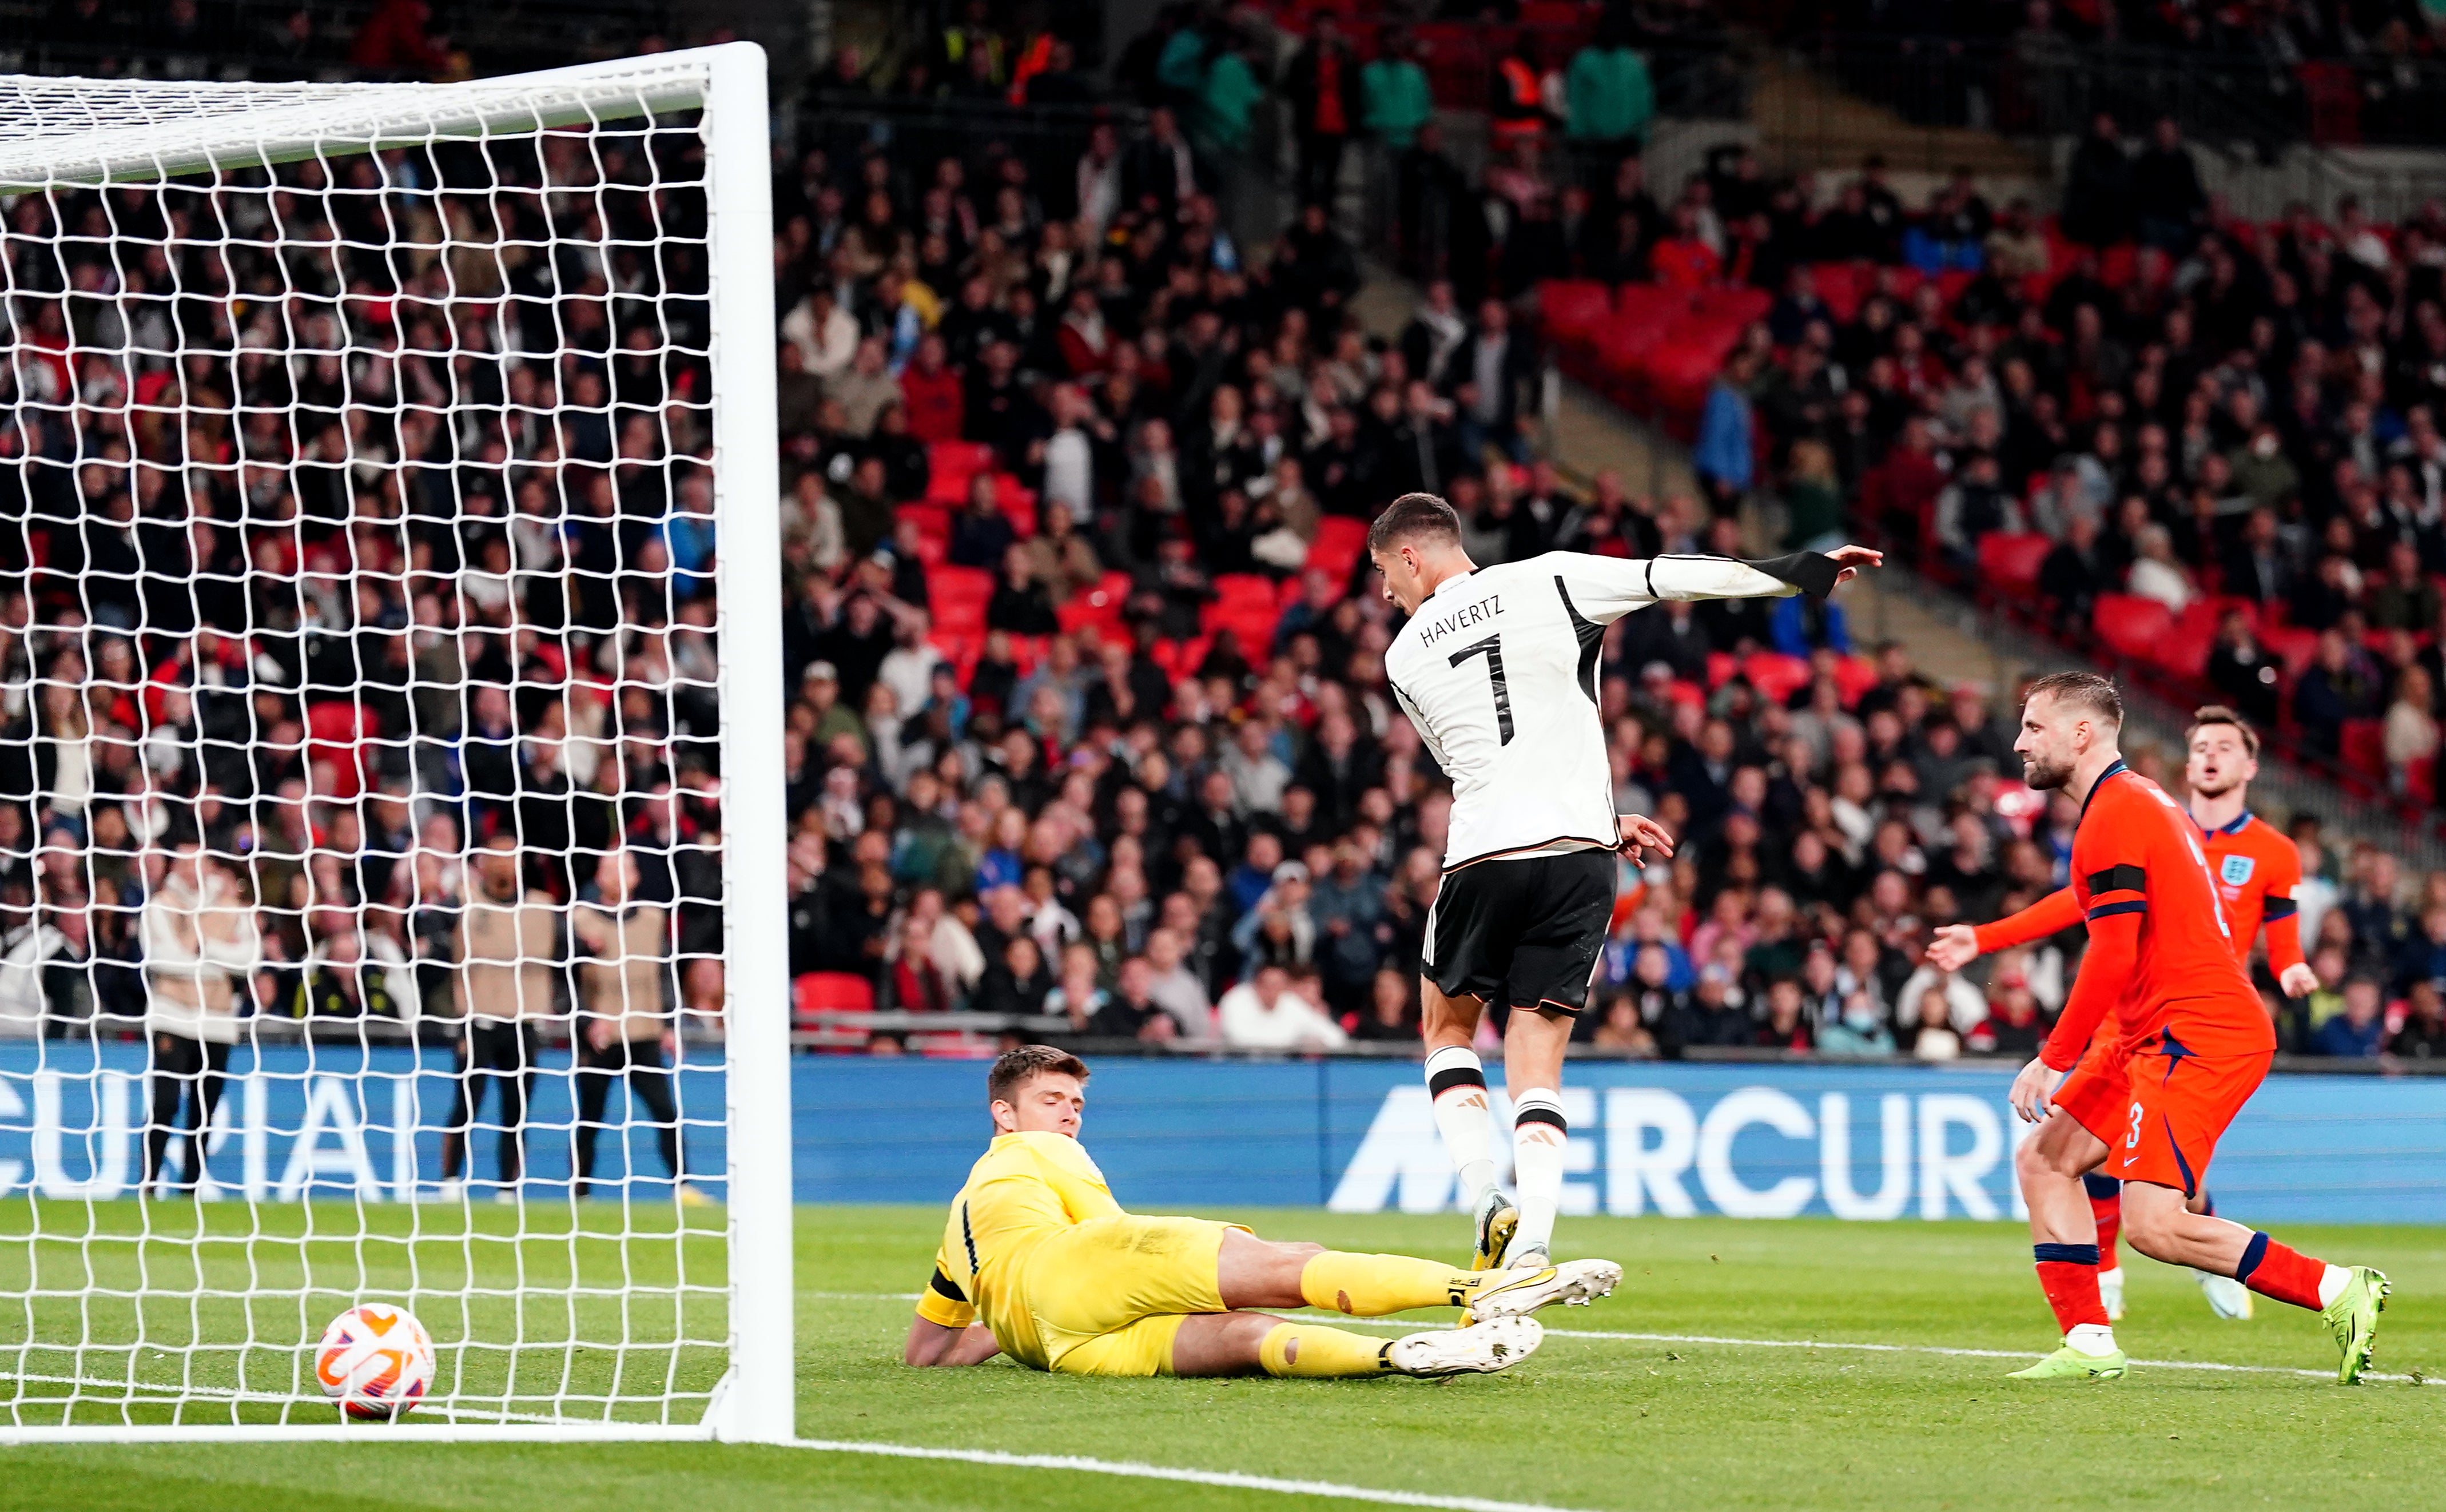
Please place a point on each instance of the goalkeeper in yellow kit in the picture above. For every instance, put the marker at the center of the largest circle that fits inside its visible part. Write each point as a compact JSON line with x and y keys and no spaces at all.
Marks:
{"x":1040,"y":1263}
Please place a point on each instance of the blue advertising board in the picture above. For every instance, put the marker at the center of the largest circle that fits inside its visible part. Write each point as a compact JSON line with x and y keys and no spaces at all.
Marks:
{"x":321,"y":1121}
{"x":1753,"y":1141}
{"x":1749,"y":1140}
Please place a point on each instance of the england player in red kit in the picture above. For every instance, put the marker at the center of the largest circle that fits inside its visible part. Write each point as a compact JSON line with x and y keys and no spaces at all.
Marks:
{"x":2186,"y":1045}
{"x":2256,"y":870}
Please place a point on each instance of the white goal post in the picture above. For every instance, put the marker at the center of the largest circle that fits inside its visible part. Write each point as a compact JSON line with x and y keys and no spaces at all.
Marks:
{"x":391,"y":754}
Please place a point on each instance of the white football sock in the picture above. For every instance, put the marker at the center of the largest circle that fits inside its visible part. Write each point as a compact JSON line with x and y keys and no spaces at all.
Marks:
{"x":1538,"y":1134}
{"x":2093,"y":1339}
{"x":1456,"y":1081}
{"x":2332,"y":1282}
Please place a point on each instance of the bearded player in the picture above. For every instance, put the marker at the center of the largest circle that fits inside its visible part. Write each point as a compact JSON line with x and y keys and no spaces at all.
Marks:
{"x":2188,"y":1045}
{"x":1040,"y":1263}
{"x":2256,"y":869}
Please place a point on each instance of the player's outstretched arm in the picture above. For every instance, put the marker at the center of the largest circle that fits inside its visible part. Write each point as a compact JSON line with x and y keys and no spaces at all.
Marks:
{"x":1603,"y":589}
{"x":1958,"y":945}
{"x":933,"y":1344}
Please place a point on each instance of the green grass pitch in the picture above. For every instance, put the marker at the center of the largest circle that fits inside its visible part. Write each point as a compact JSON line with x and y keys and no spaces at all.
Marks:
{"x":1588,"y":1423}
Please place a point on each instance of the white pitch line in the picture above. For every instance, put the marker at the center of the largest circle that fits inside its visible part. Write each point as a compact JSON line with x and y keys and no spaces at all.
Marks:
{"x":1232,"y":1479}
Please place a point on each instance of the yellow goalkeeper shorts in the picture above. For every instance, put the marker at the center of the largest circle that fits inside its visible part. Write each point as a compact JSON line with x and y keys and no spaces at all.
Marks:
{"x":1109,"y":1295}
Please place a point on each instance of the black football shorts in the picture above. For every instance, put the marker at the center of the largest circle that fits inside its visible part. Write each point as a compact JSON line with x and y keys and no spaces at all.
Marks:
{"x":1521,"y":934}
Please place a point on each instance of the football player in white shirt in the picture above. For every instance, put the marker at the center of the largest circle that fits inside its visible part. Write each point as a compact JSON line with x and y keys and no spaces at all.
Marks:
{"x":1497,"y":669}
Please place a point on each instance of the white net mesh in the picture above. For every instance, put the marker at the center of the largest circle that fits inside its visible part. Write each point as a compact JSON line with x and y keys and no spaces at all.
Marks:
{"x":360,"y":806}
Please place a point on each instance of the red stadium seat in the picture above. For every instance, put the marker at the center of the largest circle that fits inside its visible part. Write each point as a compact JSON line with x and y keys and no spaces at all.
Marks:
{"x":2010,"y":562}
{"x":1775,"y":675}
{"x":1097,"y":607}
{"x":2421,"y":778}
{"x":1243,"y":589}
{"x":833,"y":992}
{"x":961,"y":459}
{"x":2183,"y":649}
{"x":1721,"y":667}
{"x":959,"y":597}
{"x":341,"y":735}
{"x":1017,"y":503}
{"x":1571,"y":308}
{"x":1340,"y":543}
{"x":2366,"y":746}
{"x":1181,"y":658}
{"x":1840,"y":285}
{"x":2129,"y":625}
{"x":1854,"y":676}
{"x":2295,"y":645}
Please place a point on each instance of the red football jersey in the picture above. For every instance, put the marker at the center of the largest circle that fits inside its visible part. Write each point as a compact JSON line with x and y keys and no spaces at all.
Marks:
{"x":2137,"y":852}
{"x":2256,"y":869}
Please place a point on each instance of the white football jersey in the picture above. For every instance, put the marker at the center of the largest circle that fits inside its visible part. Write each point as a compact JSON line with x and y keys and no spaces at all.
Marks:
{"x":1499,"y":670}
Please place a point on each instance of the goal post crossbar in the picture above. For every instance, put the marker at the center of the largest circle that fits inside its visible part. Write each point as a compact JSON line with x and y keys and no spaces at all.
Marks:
{"x":59,"y":133}
{"x":159,"y":130}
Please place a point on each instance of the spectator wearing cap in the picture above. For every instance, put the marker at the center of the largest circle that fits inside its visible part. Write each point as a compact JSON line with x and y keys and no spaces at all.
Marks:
{"x":819,"y":688}
{"x":1279,"y":928}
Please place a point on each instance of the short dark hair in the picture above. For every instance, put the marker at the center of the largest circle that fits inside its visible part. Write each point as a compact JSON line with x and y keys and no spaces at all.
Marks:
{"x":2219,"y":714}
{"x":1014,"y":1070}
{"x":2090,"y":689}
{"x":1414,"y":517}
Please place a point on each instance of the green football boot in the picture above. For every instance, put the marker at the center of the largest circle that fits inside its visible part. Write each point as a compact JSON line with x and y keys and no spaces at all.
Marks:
{"x":2353,"y":1318}
{"x":2069,"y":1364}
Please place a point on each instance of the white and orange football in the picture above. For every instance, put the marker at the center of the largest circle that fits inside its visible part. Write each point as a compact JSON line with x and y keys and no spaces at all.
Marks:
{"x":376,"y":1361}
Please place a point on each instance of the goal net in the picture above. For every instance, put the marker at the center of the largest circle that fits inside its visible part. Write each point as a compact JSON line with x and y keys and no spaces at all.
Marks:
{"x":390,"y":852}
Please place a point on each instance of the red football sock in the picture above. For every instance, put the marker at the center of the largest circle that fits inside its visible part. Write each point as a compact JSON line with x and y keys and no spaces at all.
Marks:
{"x":2108,"y":1211}
{"x":2068,"y":1274}
{"x":2278,"y":1271}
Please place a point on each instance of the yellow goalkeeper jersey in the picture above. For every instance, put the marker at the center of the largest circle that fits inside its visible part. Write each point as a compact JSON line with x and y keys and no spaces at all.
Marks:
{"x":1024,"y":1190}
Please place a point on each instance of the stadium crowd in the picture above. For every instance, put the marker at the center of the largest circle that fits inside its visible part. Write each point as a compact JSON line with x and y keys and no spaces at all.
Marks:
{"x":1095,"y":727}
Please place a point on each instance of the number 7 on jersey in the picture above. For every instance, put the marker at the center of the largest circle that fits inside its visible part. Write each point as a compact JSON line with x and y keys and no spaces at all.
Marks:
{"x":1492,"y":650}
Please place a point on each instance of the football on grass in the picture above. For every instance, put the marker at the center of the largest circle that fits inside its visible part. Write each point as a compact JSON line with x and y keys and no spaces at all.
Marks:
{"x":375,"y":1360}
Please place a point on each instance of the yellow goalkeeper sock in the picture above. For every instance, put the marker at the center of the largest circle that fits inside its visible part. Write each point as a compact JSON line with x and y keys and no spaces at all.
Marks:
{"x":1313,"y":1349}
{"x":1373,"y":1285}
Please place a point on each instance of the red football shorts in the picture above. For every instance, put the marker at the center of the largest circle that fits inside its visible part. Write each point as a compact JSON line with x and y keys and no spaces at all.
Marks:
{"x":2092,"y":1093}
{"x":2177,"y":1108}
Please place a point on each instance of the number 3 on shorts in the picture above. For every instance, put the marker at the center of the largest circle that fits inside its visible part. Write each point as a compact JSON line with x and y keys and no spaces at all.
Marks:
{"x":2132,"y":1141}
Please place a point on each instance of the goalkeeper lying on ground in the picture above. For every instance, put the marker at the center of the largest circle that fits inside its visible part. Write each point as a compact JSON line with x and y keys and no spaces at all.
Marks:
{"x":1040,"y":1263}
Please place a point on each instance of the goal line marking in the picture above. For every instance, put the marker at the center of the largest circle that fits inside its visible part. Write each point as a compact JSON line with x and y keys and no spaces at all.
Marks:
{"x":1232,"y":1479}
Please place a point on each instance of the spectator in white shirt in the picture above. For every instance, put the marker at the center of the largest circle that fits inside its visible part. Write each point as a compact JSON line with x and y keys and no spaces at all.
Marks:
{"x":1070,"y":456}
{"x":1964,"y":1004}
{"x":1263,"y":1014}
{"x":2157,"y":575}
{"x":825,"y":334}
